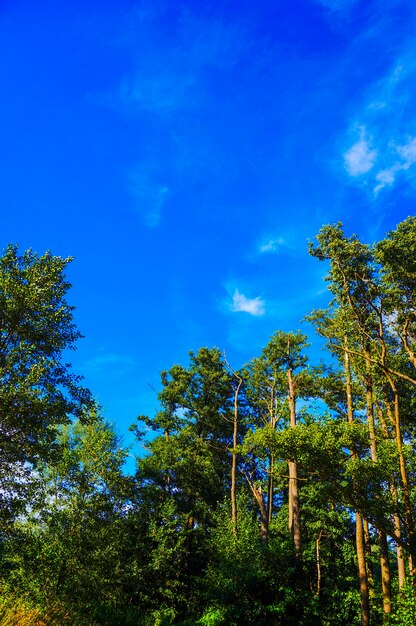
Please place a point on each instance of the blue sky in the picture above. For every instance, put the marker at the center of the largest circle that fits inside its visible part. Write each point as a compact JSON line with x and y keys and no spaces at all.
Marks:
{"x":184,"y":153}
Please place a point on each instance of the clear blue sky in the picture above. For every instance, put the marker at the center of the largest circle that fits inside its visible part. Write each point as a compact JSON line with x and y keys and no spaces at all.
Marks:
{"x":184,"y":152}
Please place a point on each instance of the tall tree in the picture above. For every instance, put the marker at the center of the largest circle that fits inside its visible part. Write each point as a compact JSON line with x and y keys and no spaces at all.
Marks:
{"x":359,"y":297}
{"x":278,"y":377}
{"x":236,"y":385}
{"x":38,"y":390}
{"x":349,"y":268}
{"x":397,"y":256}
{"x":189,"y":472}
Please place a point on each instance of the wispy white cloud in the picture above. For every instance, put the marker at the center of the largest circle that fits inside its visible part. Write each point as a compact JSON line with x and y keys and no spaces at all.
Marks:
{"x":252,"y":306}
{"x":168,"y":78}
{"x":272,"y":245}
{"x":149,"y":195}
{"x":385,"y":151}
{"x":408,"y":153}
{"x":338,"y":5}
{"x":110,"y":361}
{"x":159,"y":93}
{"x":386,"y":177}
{"x":360,"y":157}
{"x":174,"y":79}
{"x":407,"y":158}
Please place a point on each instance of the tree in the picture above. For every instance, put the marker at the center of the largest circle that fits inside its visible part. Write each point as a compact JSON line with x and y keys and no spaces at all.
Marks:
{"x":69,"y":544}
{"x":362,"y":329}
{"x":276,"y":380}
{"x":38,"y":390}
{"x":188,"y":473}
{"x":397,"y":256}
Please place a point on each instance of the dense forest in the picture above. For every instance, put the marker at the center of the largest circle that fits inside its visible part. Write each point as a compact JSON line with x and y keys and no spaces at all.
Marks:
{"x":281,"y":492}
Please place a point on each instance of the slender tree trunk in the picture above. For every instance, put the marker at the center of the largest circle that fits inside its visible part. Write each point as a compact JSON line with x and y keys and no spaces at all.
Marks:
{"x":367,"y":546}
{"x":295,"y":513}
{"x":290,"y":500}
{"x":264,"y":519}
{"x":294,"y":502}
{"x":318,"y":565}
{"x":272,"y":424}
{"x":167,"y":476}
{"x":362,"y":571}
{"x":401,"y":567}
{"x":234,"y":457}
{"x":359,"y":531}
{"x":384,"y":552}
{"x":404,"y":478}
{"x":270,"y":490}
{"x":234,"y":482}
{"x":385,"y":573}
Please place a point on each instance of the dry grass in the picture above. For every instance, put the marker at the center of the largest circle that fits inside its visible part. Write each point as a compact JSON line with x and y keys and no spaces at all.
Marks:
{"x":22,"y":612}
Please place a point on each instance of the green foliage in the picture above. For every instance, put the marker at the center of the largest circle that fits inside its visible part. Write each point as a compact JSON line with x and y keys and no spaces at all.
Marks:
{"x":241,"y":577}
{"x":37,"y":389}
{"x":266,"y":382}
{"x":404,"y":613}
{"x":163,"y":616}
{"x":213,"y":617}
{"x":67,"y":546}
{"x":397,"y":254}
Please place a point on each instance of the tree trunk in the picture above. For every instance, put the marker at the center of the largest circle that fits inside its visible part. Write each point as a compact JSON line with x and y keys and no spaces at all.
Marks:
{"x":233,"y":483}
{"x":401,"y":568}
{"x":264,"y":520}
{"x":404,"y":478}
{"x":385,"y":573}
{"x":318,"y":565}
{"x":234,"y":457}
{"x":270,"y":490}
{"x":362,"y":571}
{"x":272,"y":424}
{"x":367,"y":546}
{"x":384,"y":552}
{"x":359,"y":531}
{"x":294,"y":502}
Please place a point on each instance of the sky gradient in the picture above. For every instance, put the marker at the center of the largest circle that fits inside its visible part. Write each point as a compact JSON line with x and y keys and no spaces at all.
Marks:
{"x":184,"y":153}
